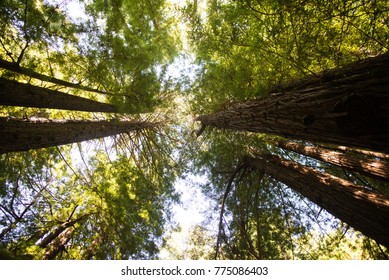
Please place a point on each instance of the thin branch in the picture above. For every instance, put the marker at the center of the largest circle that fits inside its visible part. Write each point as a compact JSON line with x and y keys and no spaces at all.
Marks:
{"x":228,"y":190}
{"x":6,"y":211}
{"x":287,"y":221}
{"x":71,"y":168}
{"x":27,"y":44}
{"x":258,"y":11}
{"x":7,"y":52}
{"x":382,"y":251}
{"x":26,"y":209}
{"x":71,"y":214}
{"x":15,"y":67}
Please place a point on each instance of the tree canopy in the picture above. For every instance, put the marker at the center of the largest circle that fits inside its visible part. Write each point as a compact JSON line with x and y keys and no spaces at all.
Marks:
{"x":78,"y":76}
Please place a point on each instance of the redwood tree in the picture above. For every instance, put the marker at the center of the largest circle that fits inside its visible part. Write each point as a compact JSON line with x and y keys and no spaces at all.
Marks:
{"x":371,"y":167}
{"x":347,"y":106}
{"x":15,"y":67}
{"x":25,"y":134}
{"x":360,"y":208}
{"x":58,"y":245}
{"x":52,"y":235}
{"x":17,"y":94}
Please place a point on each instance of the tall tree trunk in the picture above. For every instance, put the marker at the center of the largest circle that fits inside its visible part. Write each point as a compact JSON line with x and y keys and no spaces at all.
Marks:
{"x":374,"y":168}
{"x":360,"y":208}
{"x":350,"y":150}
{"x":90,"y":251}
{"x":15,"y":67}
{"x":59,"y":230}
{"x":17,"y":94}
{"x":25,"y":134}
{"x":58,"y":245}
{"x":347,"y":106}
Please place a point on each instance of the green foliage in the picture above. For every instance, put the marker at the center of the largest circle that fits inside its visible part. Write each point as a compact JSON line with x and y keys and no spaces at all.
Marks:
{"x":26,"y":180}
{"x":126,"y":219}
{"x":137,"y":37}
{"x":119,"y":203}
{"x":117,"y":47}
{"x":26,"y":23}
{"x":197,"y":245}
{"x":246,"y":47}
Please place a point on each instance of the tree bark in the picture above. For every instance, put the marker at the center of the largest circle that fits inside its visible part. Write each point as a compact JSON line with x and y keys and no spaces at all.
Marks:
{"x":58,"y":245}
{"x":347,"y":106}
{"x":17,"y":94}
{"x":360,"y":208}
{"x":24,"y":134}
{"x":360,"y":152}
{"x":59,"y":230}
{"x":15,"y":67}
{"x":378,"y":169}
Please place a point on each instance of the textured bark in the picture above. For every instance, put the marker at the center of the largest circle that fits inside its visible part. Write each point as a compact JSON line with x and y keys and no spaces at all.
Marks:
{"x":378,"y":169}
{"x":11,"y":66}
{"x":17,"y":94}
{"x":361,"y":152}
{"x":58,"y":245}
{"x":360,"y":208}
{"x":59,"y":230}
{"x":347,"y":106}
{"x":25,"y":134}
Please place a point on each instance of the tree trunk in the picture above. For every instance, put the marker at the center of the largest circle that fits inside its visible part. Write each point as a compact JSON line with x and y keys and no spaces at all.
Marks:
{"x":89,"y":252}
{"x":12,"y":66}
{"x":360,"y":208}
{"x":360,"y":152}
{"x":378,"y":169}
{"x":17,"y":94}
{"x":58,"y":245}
{"x":25,"y":134}
{"x":58,"y":231}
{"x":347,"y":106}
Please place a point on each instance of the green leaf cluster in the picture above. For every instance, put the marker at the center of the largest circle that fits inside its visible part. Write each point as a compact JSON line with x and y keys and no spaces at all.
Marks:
{"x":246,"y":47}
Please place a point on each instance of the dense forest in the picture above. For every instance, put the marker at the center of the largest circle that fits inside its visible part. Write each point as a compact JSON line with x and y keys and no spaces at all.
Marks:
{"x":280,"y":107}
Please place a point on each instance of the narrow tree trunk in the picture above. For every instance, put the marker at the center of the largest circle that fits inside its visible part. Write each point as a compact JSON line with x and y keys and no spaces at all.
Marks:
{"x":17,"y":94}
{"x":361,"y":152}
{"x":90,"y":252}
{"x":58,"y":245}
{"x":25,"y":134}
{"x":347,"y":106}
{"x":378,"y":169}
{"x":59,"y":230}
{"x":11,"y":66}
{"x":360,"y":208}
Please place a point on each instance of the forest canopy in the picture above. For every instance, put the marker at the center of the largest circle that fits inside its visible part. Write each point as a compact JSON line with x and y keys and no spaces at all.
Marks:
{"x":278,"y":108}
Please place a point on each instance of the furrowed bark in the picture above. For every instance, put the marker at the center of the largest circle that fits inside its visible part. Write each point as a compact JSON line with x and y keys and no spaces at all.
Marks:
{"x":378,"y":169}
{"x":347,"y":106}
{"x":360,"y":208}
{"x":17,"y":94}
{"x":24,"y":134}
{"x":58,"y":245}
{"x":59,"y":230}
